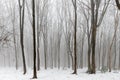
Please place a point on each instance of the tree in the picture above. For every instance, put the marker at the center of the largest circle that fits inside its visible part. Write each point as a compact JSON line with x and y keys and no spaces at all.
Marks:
{"x":86,"y":12}
{"x":38,"y":34}
{"x":21,"y":22}
{"x":34,"y":40}
{"x":95,"y":23}
{"x":75,"y":35}
{"x":44,"y":28}
{"x":68,"y":35}
{"x":113,"y":38}
{"x":93,"y":39}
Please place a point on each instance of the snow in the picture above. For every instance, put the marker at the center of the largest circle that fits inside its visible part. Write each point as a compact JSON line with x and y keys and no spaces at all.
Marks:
{"x":55,"y":74}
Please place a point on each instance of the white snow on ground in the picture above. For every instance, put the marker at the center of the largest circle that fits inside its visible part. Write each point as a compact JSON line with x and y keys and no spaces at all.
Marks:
{"x":55,"y":74}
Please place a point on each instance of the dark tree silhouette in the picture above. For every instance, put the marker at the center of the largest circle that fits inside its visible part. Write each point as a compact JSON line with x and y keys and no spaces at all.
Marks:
{"x":75,"y":36}
{"x":34,"y":40}
{"x":21,"y":20}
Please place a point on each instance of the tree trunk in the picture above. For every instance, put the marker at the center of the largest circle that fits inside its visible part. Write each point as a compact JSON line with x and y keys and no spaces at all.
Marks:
{"x":38,"y":52}
{"x":75,"y":38}
{"x":38,"y":35}
{"x":93,"y":38}
{"x":34,"y":40}
{"x":89,"y":60}
{"x":119,"y":54}
{"x":115,"y":53}
{"x":45,"y":50}
{"x":81,"y":65}
{"x":21,"y":14}
{"x":100,"y":50}
{"x":93,"y":49}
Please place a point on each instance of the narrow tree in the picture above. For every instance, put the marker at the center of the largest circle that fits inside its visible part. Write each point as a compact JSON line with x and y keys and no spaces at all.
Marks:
{"x":38,"y":34}
{"x":86,"y":13}
{"x":21,"y":22}
{"x":75,"y":36}
{"x":34,"y":40}
{"x":113,"y":38}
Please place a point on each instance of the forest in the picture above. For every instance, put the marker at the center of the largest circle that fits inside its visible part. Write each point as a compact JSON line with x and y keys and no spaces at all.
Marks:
{"x":59,"y":39}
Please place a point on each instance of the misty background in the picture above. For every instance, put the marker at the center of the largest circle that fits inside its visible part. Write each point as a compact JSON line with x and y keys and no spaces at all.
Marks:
{"x":56,"y":20}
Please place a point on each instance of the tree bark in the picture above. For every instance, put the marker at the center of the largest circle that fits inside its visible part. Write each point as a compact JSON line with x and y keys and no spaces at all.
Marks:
{"x":93,"y":49}
{"x":38,"y":35}
{"x":75,"y":37}
{"x":21,"y":14}
{"x":34,"y":40}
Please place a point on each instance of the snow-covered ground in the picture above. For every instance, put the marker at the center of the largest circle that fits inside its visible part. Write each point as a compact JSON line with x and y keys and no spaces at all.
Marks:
{"x":55,"y":74}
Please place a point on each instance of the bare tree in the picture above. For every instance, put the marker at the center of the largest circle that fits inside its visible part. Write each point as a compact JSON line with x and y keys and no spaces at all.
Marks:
{"x":21,"y":22}
{"x":110,"y":48}
{"x":75,"y":35}
{"x":86,"y":12}
{"x":100,"y":46}
{"x":96,"y":22}
{"x":38,"y":33}
{"x":34,"y":40}
{"x":44,"y":29}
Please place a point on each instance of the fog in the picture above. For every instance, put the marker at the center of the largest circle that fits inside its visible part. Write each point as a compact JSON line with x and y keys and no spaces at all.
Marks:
{"x":56,"y":27}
